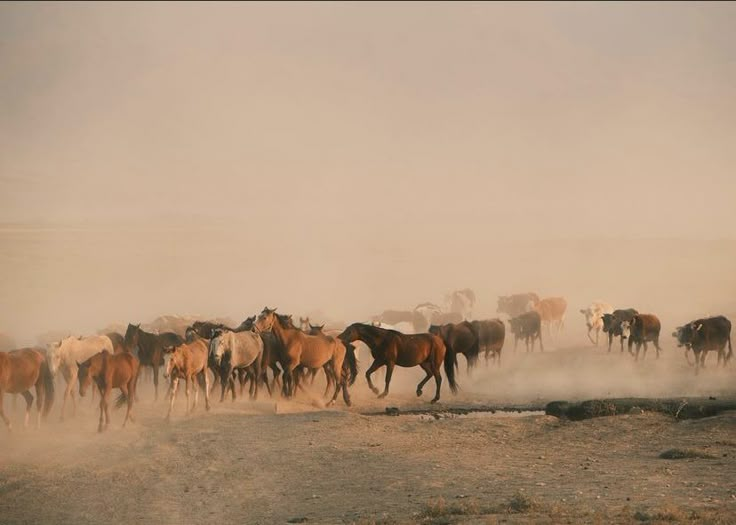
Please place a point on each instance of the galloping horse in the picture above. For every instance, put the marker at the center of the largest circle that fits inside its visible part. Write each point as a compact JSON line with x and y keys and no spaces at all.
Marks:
{"x":110,"y":371}
{"x":391,"y":348}
{"x":19,"y":371}
{"x":234,"y":351}
{"x":189,"y":361}
{"x":65,"y":355}
{"x":300,"y":349}
{"x":150,"y":348}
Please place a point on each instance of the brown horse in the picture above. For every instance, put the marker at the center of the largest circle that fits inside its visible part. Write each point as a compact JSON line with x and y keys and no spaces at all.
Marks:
{"x":110,"y":371}
{"x":300,"y":349}
{"x":390,"y":348}
{"x":19,"y":371}
{"x":349,"y":371}
{"x":189,"y":361}
{"x":460,"y":338}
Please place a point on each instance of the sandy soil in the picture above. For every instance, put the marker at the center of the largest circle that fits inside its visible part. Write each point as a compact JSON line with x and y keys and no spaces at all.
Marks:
{"x":272,"y":461}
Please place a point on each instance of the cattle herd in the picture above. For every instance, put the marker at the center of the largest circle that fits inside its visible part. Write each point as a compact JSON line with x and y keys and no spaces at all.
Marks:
{"x":269,"y":351}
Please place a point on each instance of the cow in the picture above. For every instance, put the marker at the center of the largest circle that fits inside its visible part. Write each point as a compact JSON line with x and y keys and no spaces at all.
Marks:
{"x":703,"y":335}
{"x":642,"y":328}
{"x":594,"y":318}
{"x":552,"y":310}
{"x":491,"y":336}
{"x":527,"y":326}
{"x":612,"y":324}
{"x":517,"y":304}
{"x":460,"y":338}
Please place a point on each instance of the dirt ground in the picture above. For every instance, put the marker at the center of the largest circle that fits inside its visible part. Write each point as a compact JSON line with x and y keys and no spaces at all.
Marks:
{"x":272,"y":461}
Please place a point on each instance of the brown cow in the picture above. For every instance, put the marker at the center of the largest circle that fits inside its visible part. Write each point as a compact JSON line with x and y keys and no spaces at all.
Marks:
{"x":552,"y":309}
{"x":491,"y":336}
{"x":517,"y":304}
{"x":640,"y":330}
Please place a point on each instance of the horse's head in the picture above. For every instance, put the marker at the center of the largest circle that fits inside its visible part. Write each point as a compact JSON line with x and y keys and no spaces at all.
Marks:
{"x":84,"y":374}
{"x":217,"y":347}
{"x":316,"y":329}
{"x":266,"y":320}
{"x":53,"y":356}
{"x":350,"y":334}
{"x":172,"y":360}
{"x":131,"y":336}
{"x":304,"y":324}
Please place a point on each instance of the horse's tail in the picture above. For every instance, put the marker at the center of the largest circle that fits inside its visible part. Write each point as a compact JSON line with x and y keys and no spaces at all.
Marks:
{"x":730,"y":350}
{"x":121,"y":400}
{"x":450,"y":368}
{"x":352,"y":362}
{"x":48,"y":387}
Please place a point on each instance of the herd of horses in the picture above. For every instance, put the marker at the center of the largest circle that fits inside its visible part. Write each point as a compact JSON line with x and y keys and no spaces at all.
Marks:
{"x":209,"y":353}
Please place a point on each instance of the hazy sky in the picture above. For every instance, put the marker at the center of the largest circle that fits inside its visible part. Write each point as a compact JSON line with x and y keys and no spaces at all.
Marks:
{"x":415,"y":120}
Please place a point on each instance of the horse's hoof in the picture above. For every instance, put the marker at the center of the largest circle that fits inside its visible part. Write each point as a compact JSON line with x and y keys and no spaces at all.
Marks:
{"x":419,"y":393}
{"x":348,"y":403}
{"x":382,"y":395}
{"x":434,"y":401}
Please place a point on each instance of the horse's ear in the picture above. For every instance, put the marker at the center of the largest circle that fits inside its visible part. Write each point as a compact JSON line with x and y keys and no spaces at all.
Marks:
{"x":79,"y":365}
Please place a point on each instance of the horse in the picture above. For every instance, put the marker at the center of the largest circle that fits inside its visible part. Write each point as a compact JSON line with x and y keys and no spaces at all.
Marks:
{"x":118,"y":342}
{"x":391,"y":348}
{"x":151,"y":348}
{"x":348,"y":370}
{"x":237,"y":350}
{"x":460,"y":338}
{"x":300,"y":349}
{"x":19,"y":371}
{"x":402,"y":326}
{"x":110,"y":371}
{"x":65,"y":354}
{"x":188,"y":361}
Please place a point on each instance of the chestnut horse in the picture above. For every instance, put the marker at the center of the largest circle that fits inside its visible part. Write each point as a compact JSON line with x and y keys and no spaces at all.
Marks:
{"x":300,"y":349}
{"x":19,"y":371}
{"x":189,"y":361}
{"x":349,"y":366}
{"x":390,"y":348}
{"x":110,"y":371}
{"x":151,"y":348}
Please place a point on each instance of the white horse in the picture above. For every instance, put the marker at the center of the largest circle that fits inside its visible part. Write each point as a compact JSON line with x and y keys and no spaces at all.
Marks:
{"x":65,"y":354}
{"x":237,"y":350}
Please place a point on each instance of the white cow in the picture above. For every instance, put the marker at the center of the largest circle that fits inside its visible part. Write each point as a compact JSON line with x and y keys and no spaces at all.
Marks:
{"x":594,"y":317}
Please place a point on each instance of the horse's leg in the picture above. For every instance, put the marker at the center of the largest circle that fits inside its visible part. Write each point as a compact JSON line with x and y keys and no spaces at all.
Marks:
{"x":174,"y":386}
{"x":375,"y":366}
{"x":155,"y":382}
{"x":428,"y":370}
{"x":186,"y":393}
{"x":40,"y":395}
{"x":100,"y":425}
{"x":389,"y":373}
{"x":438,"y":382}
{"x":2,"y":412}
{"x":29,"y":404}
{"x":206,"y":390}
{"x":195,"y":386}
{"x":126,"y":393}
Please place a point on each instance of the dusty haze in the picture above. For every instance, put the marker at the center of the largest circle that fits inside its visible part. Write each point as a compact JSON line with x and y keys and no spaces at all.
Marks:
{"x":345,"y":158}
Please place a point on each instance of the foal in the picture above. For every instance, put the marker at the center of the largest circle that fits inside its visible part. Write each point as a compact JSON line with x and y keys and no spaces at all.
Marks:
{"x":189,"y":361}
{"x":110,"y":371}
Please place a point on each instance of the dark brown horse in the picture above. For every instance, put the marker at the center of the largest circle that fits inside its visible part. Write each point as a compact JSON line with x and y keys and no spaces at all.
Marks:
{"x":459,"y":338}
{"x":390,"y":348}
{"x":151,"y":348}
{"x":491,"y":336}
{"x":110,"y":371}
{"x":20,"y":370}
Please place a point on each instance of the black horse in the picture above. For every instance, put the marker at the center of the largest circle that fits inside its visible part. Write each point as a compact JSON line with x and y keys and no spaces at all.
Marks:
{"x":150,"y":348}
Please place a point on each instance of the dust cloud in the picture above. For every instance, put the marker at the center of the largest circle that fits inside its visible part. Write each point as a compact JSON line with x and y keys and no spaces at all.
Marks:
{"x":342,"y":159}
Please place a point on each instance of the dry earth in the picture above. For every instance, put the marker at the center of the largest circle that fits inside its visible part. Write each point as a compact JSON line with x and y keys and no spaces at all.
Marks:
{"x":273,"y":461}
